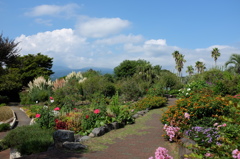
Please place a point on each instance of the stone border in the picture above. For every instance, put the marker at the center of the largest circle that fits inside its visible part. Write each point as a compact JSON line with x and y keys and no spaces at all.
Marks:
{"x":96,"y":132}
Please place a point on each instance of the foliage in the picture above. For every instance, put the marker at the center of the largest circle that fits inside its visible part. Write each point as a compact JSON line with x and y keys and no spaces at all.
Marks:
{"x":149,"y":103}
{"x":32,"y":66}
{"x":46,"y":117}
{"x":29,"y":139}
{"x":125,"y":69}
{"x":5,"y":113}
{"x":8,"y":51}
{"x":4,"y":127}
{"x":215,"y":54}
{"x":233,"y":63}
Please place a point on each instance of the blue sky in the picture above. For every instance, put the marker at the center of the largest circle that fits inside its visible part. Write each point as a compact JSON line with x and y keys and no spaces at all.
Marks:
{"x":95,"y":33}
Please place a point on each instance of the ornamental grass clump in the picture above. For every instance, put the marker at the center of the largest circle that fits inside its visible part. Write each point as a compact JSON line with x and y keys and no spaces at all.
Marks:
{"x":5,"y":113}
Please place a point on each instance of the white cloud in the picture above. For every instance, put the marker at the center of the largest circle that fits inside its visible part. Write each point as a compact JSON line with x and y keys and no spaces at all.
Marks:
{"x":120,"y":39}
{"x":156,"y":42}
{"x":52,"y":10}
{"x":73,"y":50}
{"x":100,"y":27}
{"x":44,"y":22}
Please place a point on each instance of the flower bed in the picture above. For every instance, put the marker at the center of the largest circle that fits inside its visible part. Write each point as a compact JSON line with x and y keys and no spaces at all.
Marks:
{"x":212,"y":122}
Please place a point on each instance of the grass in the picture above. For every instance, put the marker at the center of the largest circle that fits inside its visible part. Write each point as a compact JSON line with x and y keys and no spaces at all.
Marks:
{"x":5,"y":113}
{"x":139,"y":128}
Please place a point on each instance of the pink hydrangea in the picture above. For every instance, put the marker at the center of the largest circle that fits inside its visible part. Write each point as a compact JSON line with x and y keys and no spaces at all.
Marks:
{"x":236,"y":154}
{"x":161,"y":153}
{"x":187,"y":116}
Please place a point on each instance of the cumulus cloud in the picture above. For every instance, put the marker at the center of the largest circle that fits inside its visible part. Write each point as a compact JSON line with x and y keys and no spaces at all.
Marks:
{"x":120,"y":39}
{"x":52,"y":10}
{"x":100,"y":27}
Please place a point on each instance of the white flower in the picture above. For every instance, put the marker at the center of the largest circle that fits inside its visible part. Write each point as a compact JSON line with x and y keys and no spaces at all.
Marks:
{"x":189,"y":89}
{"x":186,"y":93}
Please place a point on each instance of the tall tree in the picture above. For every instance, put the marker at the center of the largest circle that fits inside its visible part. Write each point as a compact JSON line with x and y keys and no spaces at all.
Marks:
{"x":234,"y":62}
{"x":190,"y":70}
{"x":8,"y":51}
{"x":200,"y":66}
{"x":215,"y":55}
{"x":32,"y":66}
{"x":179,"y":59}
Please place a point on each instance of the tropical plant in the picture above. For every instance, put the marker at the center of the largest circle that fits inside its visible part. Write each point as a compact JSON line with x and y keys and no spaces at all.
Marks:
{"x":234,"y":62}
{"x":215,"y":54}
{"x":190,"y":70}
{"x":179,"y":59}
{"x":200,"y":66}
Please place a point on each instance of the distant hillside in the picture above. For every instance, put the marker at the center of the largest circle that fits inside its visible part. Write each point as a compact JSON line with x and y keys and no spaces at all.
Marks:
{"x":60,"y":71}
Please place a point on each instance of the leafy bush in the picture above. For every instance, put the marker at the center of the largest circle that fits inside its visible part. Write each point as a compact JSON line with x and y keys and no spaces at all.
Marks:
{"x":29,"y":139}
{"x":4,"y":127}
{"x":46,"y":118}
{"x":150,"y":102}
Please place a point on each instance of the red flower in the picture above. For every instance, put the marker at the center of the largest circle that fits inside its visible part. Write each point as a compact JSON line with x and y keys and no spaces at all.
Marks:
{"x":38,"y":115}
{"x":87,"y":116}
{"x":96,"y":111}
{"x":51,"y":98}
{"x":56,"y":120}
{"x":57,"y":108}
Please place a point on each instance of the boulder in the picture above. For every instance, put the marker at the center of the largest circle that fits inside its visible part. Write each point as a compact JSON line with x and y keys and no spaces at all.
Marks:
{"x":73,"y":145}
{"x":115,"y":125}
{"x":84,"y":138}
{"x":99,"y":131}
{"x":61,"y":136}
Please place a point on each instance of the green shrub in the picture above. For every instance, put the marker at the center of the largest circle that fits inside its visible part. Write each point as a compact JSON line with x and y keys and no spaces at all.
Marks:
{"x":4,"y":127}
{"x":29,"y":139}
{"x":150,"y":102}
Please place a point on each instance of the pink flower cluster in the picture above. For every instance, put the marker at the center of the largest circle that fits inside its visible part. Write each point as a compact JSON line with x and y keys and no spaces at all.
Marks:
{"x":236,"y":154}
{"x":218,"y":126}
{"x":171,"y":131}
{"x":161,"y":153}
{"x":187,"y":116}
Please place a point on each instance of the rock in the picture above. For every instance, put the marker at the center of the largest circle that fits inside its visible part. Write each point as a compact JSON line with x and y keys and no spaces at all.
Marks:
{"x":61,"y":136}
{"x":77,"y":137}
{"x":73,"y":145}
{"x":84,"y":138}
{"x":91,"y":135}
{"x":14,"y":153}
{"x":115,"y":125}
{"x":135,"y":116}
{"x":182,"y":149}
{"x":99,"y":131}
{"x":109,"y":127}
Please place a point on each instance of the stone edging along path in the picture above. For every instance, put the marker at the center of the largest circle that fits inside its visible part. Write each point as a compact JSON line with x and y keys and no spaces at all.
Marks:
{"x":136,"y":141}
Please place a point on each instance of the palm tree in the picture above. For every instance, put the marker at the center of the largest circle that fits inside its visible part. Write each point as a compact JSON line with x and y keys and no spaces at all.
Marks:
{"x":215,"y":54}
{"x":179,"y":59}
{"x":200,"y":66}
{"x":190,"y":70}
{"x":235,"y":61}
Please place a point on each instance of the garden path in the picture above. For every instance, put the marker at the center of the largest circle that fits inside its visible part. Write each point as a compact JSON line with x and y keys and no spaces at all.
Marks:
{"x":22,"y":119}
{"x":129,"y":147}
